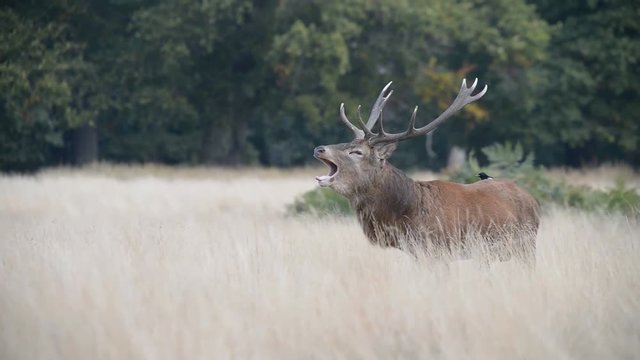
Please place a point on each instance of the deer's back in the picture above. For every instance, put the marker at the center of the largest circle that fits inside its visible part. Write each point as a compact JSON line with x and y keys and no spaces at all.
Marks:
{"x":487,"y":206}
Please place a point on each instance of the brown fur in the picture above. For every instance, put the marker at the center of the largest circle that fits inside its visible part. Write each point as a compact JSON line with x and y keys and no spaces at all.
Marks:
{"x":442,"y":210}
{"x":390,"y":206}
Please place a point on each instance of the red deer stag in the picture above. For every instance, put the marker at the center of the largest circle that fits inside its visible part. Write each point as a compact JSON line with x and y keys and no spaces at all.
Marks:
{"x":391,"y":207}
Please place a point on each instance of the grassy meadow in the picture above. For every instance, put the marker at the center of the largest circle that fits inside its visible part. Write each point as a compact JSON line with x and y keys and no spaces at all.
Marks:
{"x":164,"y":263}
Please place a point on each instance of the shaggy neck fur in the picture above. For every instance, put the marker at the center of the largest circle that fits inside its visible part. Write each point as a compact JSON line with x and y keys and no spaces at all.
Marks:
{"x":388,"y":202}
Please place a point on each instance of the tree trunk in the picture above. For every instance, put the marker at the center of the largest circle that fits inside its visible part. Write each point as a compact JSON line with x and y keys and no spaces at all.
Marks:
{"x":84,"y":140}
{"x":456,"y":160}
{"x":238,"y":148}
{"x":216,"y":144}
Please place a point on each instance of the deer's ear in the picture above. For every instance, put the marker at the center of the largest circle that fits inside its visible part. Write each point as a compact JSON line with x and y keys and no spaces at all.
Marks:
{"x":384,"y":150}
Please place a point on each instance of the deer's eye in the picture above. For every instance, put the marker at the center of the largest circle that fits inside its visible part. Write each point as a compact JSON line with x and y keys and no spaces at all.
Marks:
{"x":355,"y":152}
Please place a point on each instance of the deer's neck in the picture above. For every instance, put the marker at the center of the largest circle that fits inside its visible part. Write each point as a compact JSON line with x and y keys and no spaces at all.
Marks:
{"x":389,"y":200}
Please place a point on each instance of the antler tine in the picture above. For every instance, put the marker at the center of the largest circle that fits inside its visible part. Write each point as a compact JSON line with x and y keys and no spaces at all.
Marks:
{"x":377,"y":107}
{"x":412,"y":123}
{"x":463,"y":98}
{"x":367,"y":131}
{"x":359,"y":134}
{"x":382,"y":105}
{"x":480,"y":94}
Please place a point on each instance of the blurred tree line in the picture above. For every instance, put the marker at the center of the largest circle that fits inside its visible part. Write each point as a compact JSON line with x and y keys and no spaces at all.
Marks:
{"x":244,"y":82}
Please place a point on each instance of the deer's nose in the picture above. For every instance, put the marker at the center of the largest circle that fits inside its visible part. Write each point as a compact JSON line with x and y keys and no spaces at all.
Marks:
{"x":319,"y":150}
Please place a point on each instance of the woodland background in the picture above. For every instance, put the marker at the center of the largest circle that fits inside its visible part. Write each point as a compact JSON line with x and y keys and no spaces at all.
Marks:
{"x":236,"y":82}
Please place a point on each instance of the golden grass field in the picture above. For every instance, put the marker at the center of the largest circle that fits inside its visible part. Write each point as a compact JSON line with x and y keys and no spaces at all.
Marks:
{"x":162,"y":263}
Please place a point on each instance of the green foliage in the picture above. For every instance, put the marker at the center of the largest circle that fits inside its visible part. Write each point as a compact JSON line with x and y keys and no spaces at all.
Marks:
{"x":239,"y":81}
{"x":511,"y":162}
{"x":320,"y":201}
{"x":620,"y":198}
{"x":45,"y":89}
{"x":588,"y":83}
{"x":191,"y":79}
{"x":333,"y":51}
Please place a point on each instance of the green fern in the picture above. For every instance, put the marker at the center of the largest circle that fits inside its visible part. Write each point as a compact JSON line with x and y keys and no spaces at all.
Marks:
{"x":510,"y":161}
{"x":320,"y":201}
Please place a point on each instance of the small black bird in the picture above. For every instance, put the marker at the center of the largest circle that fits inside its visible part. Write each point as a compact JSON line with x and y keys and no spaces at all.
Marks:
{"x":484,"y":176}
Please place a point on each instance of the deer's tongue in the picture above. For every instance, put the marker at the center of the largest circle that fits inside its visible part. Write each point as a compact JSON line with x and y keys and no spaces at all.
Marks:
{"x":325,"y":180}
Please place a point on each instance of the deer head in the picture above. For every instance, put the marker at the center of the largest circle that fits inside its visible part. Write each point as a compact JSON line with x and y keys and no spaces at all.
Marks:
{"x":356,"y":165}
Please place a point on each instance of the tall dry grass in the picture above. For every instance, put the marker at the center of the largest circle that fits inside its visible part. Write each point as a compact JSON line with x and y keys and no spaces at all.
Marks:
{"x":96,"y":267}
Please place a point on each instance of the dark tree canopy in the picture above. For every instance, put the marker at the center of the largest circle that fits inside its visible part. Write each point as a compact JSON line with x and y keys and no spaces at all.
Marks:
{"x":247,"y":82}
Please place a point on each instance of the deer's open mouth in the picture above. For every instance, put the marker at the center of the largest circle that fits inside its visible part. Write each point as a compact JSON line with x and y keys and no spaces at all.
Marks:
{"x":325,"y":180}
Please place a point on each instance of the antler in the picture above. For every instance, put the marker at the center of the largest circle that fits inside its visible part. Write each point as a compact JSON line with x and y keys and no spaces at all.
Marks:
{"x":376,"y":111}
{"x":464,"y":97}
